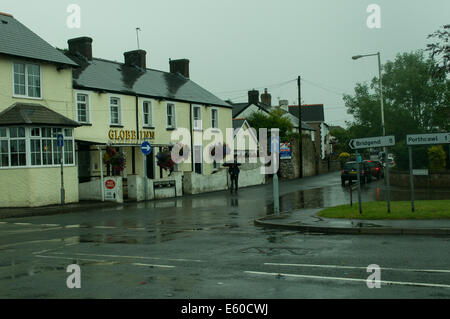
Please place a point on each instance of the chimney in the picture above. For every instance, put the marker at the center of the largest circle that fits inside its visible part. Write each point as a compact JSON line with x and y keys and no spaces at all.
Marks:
{"x":284,"y":105}
{"x":136,"y":58}
{"x":266,"y":98}
{"x":180,"y":66}
{"x":253,"y":97}
{"x":82,"y":46}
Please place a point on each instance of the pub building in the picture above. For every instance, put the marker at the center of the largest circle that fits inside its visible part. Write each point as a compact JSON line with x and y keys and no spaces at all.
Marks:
{"x":120,"y":105}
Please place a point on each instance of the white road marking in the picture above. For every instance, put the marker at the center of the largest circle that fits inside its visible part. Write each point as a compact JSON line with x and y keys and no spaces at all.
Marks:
{"x":348,"y":279}
{"x":23,"y":224}
{"x":72,"y":226}
{"x":32,"y":242}
{"x":104,"y":227}
{"x":152,"y":265}
{"x":134,"y":257}
{"x":105,"y":261}
{"x":352,"y":267}
{"x":48,"y":225}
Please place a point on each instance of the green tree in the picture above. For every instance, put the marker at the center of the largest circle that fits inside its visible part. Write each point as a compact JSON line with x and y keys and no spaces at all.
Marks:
{"x":274,"y":119}
{"x":440,"y":50}
{"x":437,"y":157}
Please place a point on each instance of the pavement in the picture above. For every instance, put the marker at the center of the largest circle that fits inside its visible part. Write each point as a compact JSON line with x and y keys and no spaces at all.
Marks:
{"x":307,"y":220}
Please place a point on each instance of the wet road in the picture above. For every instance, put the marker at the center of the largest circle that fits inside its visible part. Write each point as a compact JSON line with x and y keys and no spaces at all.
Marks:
{"x":206,"y":246}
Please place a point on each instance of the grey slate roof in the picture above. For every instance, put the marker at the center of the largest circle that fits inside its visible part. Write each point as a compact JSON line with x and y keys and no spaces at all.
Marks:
{"x":33,"y":114}
{"x":238,"y":108}
{"x":117,"y":77}
{"x":17,"y":40}
{"x":237,"y":124}
{"x":310,"y":113}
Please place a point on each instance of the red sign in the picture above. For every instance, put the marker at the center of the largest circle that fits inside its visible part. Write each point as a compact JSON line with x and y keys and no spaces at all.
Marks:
{"x":110,"y":184}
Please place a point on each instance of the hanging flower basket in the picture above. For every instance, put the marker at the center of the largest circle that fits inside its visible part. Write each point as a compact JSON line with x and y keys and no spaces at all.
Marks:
{"x":165,"y":160}
{"x":116,"y":159}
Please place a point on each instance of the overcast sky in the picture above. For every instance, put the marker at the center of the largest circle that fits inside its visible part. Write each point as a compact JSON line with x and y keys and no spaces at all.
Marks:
{"x":237,"y":45}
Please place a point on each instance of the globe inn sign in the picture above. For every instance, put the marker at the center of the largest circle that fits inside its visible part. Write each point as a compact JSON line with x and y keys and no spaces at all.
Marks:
{"x":130,"y":136}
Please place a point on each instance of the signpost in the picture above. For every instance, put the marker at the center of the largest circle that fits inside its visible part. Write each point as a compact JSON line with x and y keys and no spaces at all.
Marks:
{"x":146,"y":149}
{"x":275,"y":148}
{"x":60,"y":144}
{"x":379,"y":141}
{"x":422,"y":139}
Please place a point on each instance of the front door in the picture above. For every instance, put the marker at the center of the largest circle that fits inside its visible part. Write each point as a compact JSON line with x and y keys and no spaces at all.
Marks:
{"x":150,"y":166}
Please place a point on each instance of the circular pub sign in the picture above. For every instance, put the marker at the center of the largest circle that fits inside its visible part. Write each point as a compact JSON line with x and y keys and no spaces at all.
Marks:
{"x":110,"y":184}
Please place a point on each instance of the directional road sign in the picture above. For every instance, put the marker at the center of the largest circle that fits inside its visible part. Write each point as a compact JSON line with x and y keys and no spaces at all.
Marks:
{"x":427,"y":139}
{"x":146,"y":148}
{"x":60,"y":140}
{"x":379,"y":141}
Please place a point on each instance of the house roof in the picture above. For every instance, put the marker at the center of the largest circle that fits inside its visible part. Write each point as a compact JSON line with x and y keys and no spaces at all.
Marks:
{"x":238,"y":108}
{"x":310,"y":113}
{"x":110,"y":76}
{"x":237,"y":123}
{"x":17,"y":40}
{"x":33,"y":114}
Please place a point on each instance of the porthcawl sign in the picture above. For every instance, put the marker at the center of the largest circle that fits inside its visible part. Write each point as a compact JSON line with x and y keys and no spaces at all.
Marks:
{"x":428,"y":139}
{"x":380,"y":141}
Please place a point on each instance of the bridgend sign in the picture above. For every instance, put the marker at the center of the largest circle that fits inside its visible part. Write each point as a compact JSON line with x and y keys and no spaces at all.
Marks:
{"x":428,"y":139}
{"x":380,"y":141}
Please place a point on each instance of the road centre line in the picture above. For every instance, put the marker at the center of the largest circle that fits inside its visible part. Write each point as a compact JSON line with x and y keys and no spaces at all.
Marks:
{"x":348,"y":279}
{"x":133,"y":257}
{"x":353,"y":267}
{"x":105,"y":261}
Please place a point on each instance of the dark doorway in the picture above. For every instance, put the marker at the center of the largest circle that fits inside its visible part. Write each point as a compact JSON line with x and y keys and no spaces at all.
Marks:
{"x":150,"y":166}
{"x":84,"y":163}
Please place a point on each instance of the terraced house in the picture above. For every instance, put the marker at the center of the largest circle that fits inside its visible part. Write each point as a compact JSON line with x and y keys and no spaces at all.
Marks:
{"x":101,"y":108}
{"x":35,"y":107}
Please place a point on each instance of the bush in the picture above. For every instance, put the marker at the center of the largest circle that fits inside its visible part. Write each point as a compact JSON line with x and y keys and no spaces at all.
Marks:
{"x":436,"y":157}
{"x":401,"y":156}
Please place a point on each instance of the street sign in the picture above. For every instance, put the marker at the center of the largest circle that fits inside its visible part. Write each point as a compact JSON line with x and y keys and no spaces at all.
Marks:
{"x":146,"y":148}
{"x":380,"y":141}
{"x":60,"y":140}
{"x":427,"y":139}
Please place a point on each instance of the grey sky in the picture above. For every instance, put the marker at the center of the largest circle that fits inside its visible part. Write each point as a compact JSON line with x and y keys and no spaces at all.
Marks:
{"x":237,"y":45}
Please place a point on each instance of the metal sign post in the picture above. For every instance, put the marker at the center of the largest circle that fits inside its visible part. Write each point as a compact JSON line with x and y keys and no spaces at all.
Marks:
{"x":275,"y":143}
{"x":411,"y":177}
{"x":358,"y":163}
{"x":388,"y":185}
{"x":60,"y":144}
{"x":146,"y":149}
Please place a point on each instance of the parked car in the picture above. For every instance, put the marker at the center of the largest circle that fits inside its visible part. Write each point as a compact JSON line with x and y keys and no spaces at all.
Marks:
{"x":376,"y":169}
{"x":350,"y":172}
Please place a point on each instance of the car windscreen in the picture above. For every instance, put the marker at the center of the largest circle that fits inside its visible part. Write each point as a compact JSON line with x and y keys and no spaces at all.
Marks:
{"x":350,"y":166}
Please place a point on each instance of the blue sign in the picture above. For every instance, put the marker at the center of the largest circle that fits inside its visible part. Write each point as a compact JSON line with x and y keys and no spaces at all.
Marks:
{"x":146,"y":148}
{"x":60,"y":140}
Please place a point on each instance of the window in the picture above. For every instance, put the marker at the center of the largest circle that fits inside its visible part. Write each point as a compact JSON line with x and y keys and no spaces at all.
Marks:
{"x":83,"y":108}
{"x":197,"y":117}
{"x":36,"y":146}
{"x":214,"y":118}
{"x":198,"y":159}
{"x":147,"y":111}
{"x":115,"y":110}
{"x":27,"y":80}
{"x":171,"y":120}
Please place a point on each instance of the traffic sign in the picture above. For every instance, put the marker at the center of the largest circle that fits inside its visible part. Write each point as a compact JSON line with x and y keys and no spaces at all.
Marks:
{"x":380,"y":141}
{"x":60,"y":140}
{"x":427,"y":139}
{"x":146,"y":148}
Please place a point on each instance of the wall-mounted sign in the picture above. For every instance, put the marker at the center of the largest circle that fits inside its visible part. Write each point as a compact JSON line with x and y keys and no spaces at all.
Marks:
{"x":128,"y":136}
{"x":285,"y":151}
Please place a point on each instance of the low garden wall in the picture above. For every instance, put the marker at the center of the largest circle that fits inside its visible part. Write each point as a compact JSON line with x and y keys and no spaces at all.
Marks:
{"x":93,"y":190}
{"x":435,"y":179}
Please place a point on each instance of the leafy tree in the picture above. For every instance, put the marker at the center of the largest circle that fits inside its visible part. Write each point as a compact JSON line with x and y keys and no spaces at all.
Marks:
{"x":274,"y":119}
{"x":440,"y":51}
{"x":437,"y":157}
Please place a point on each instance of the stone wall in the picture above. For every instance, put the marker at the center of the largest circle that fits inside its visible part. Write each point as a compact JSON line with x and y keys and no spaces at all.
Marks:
{"x":289,"y":169}
{"x":433,"y":180}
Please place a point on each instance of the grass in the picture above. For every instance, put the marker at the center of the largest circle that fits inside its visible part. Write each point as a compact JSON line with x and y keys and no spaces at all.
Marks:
{"x":425,"y":209}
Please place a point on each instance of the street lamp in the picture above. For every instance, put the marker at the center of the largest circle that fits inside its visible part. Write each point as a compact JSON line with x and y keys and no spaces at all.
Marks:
{"x":356,"y":57}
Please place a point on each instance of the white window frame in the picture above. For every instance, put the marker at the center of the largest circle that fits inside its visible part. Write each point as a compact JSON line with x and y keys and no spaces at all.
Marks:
{"x":88,"y":111}
{"x":217,"y":119}
{"x":119,"y":110}
{"x":147,"y":125}
{"x":28,"y":139}
{"x":26,"y":95}
{"x":194,"y":122}
{"x":174,"y":115}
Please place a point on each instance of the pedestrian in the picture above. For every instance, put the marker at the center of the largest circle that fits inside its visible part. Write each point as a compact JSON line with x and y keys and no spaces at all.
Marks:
{"x":234,"y":171}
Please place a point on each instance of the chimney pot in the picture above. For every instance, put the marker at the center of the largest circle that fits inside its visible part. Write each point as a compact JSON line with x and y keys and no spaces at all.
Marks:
{"x":136,"y":58}
{"x":180,"y":66}
{"x":253,"y":97}
{"x":266,"y":98}
{"x":82,"y":46}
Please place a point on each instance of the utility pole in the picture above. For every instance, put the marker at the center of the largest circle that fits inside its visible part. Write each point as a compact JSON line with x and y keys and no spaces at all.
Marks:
{"x":300,"y":142}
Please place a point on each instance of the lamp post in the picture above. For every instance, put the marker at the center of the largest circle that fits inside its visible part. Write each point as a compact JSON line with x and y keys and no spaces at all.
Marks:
{"x":356,"y":57}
